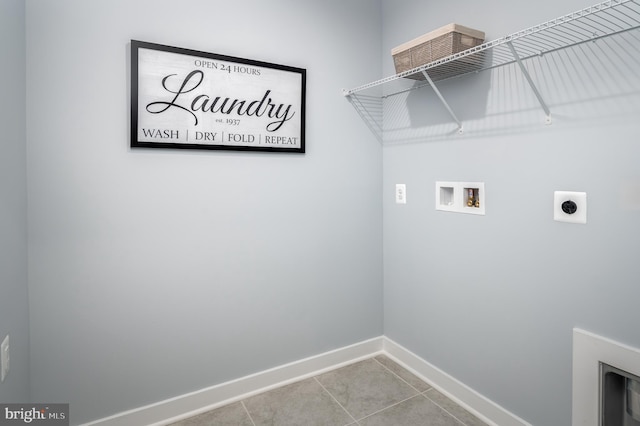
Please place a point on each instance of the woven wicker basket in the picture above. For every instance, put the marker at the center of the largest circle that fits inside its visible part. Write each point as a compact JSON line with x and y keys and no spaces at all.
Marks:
{"x":443,"y":42}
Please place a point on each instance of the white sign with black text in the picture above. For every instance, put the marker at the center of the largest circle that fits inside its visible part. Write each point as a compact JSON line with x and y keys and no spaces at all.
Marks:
{"x":187,"y":99}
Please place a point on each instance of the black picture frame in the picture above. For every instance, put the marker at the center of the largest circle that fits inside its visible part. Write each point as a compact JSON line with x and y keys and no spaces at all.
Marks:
{"x":188,"y":99}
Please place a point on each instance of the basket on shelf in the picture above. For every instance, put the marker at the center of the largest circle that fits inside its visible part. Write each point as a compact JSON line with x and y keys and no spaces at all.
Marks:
{"x":437,"y":44}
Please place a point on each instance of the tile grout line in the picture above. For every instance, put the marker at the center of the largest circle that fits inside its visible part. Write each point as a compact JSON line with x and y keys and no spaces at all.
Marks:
{"x":248,"y":414}
{"x":391,"y":406}
{"x":442,"y":408}
{"x":392,"y":372}
{"x":419,"y":393}
{"x":337,"y":402}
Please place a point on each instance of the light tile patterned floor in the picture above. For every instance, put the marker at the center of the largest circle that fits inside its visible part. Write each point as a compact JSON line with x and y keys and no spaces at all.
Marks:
{"x":373,"y":392}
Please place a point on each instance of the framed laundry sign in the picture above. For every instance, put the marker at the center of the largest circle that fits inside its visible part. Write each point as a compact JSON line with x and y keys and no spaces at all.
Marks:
{"x":187,"y":99}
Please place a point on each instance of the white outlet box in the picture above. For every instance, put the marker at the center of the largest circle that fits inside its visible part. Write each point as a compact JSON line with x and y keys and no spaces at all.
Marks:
{"x":576,"y":207}
{"x":4,"y":358}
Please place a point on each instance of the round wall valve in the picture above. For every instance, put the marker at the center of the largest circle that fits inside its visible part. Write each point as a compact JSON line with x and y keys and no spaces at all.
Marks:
{"x":569,"y":207}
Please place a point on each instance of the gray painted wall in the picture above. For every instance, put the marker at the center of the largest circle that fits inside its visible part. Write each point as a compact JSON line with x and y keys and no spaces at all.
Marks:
{"x":155,"y":273}
{"x":492,"y":299}
{"x":14,"y":307}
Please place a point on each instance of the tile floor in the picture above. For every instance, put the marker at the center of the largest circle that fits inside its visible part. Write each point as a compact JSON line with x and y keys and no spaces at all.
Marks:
{"x":373,"y":392}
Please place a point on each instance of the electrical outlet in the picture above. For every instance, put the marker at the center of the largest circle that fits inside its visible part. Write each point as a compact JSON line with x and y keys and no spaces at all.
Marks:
{"x":4,"y":358}
{"x":570,"y":207}
{"x":401,"y":193}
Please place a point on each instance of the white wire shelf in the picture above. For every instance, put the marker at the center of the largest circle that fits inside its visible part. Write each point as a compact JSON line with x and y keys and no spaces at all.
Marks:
{"x":588,"y":24}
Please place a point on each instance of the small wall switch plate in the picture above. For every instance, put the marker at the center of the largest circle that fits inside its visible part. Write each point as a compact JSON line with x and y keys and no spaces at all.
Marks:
{"x":570,"y":206}
{"x":401,"y":193}
{"x":4,"y":358}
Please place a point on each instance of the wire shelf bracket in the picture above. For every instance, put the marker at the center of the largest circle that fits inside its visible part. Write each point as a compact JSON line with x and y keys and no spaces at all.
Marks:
{"x":444,"y":102}
{"x":543,"y":104}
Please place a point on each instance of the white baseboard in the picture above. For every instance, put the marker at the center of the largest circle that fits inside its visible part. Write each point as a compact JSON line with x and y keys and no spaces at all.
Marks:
{"x":477,"y":404}
{"x":184,"y":406}
{"x":172,"y":410}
